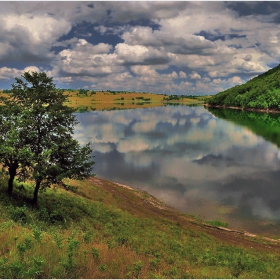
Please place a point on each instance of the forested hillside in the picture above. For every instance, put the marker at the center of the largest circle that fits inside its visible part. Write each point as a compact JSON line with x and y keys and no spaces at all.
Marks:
{"x":262,"y":92}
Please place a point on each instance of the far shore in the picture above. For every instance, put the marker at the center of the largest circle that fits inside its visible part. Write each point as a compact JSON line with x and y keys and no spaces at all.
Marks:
{"x":243,"y":109}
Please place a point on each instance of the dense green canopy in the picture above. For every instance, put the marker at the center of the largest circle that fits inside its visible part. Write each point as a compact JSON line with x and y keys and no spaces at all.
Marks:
{"x":36,"y":131}
{"x":262,"y":92}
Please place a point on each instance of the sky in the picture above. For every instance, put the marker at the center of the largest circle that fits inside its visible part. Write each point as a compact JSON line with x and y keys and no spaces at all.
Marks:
{"x":165,"y":47}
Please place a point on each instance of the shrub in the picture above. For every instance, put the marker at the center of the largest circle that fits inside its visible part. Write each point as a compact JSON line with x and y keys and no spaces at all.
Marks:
{"x":18,"y":214}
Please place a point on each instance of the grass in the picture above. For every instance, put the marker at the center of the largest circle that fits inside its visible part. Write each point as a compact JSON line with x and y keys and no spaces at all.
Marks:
{"x":217,"y":223}
{"x":98,"y":229}
{"x":102,"y":100}
{"x":128,"y":100}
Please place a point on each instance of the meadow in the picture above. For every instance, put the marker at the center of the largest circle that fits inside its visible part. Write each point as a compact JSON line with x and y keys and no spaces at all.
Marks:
{"x":108,"y":100}
{"x":85,"y":100}
{"x":99,"y":229}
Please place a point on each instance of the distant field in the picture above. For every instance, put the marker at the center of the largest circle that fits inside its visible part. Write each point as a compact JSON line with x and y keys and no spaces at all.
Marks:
{"x":106,"y":100}
{"x":123,"y":100}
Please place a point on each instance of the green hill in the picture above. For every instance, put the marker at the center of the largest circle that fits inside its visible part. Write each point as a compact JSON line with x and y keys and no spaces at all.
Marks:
{"x":99,"y":229}
{"x":261,"y":92}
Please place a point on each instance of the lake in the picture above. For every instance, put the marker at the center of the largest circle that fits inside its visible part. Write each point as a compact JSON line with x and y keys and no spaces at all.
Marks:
{"x":215,"y":164}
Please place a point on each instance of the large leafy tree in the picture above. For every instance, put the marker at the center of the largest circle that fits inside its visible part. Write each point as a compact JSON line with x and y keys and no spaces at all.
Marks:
{"x":15,"y":156}
{"x":44,"y":127}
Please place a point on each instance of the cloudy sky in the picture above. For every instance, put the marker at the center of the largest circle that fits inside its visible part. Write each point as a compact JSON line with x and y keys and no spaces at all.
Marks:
{"x":163,"y":47}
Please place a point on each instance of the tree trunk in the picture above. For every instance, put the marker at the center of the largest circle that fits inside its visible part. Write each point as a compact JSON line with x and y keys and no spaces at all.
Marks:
{"x":12,"y":173}
{"x":36,"y":190}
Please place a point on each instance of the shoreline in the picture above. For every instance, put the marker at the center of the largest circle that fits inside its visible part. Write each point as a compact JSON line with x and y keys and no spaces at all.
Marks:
{"x":217,"y":231}
{"x":243,"y":109}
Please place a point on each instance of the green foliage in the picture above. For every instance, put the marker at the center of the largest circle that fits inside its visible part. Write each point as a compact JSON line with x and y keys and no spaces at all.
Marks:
{"x":172,"y":97}
{"x":14,"y":154}
{"x":58,"y":240}
{"x":95,"y":253}
{"x":175,"y":97}
{"x":18,"y":214}
{"x":8,"y":91}
{"x":57,"y":218}
{"x":83,"y":92}
{"x":25,"y":245}
{"x":36,"y":131}
{"x":24,"y":267}
{"x":135,"y":270}
{"x":88,"y":237}
{"x":102,"y":267}
{"x":217,"y":223}
{"x":262,"y":92}
{"x":113,"y":242}
{"x":72,"y":247}
{"x":37,"y":234}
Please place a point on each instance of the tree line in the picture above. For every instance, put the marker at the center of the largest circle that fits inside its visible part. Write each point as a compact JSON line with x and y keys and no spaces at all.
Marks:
{"x":262,"y":92}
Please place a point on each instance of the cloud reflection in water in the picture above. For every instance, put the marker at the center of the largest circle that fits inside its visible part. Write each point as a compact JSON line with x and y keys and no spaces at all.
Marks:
{"x":187,"y":157}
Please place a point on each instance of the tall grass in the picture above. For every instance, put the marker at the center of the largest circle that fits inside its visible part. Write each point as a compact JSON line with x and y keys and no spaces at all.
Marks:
{"x":87,"y":232}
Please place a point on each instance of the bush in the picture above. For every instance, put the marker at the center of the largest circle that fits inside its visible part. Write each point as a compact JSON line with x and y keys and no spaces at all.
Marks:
{"x":18,"y":214}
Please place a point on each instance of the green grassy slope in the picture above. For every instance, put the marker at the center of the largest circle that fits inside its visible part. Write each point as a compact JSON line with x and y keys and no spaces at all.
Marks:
{"x":98,"y":229}
{"x":262,"y":92}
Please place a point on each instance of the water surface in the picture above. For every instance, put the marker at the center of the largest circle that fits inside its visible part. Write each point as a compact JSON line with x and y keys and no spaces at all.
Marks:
{"x":216,"y":166}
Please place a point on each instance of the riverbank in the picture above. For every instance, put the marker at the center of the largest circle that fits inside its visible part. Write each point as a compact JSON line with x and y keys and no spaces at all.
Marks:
{"x":242,"y":109}
{"x":101,"y":229}
{"x":243,"y":238}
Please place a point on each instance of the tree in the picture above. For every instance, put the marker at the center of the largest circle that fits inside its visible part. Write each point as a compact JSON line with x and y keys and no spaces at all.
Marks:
{"x":14,"y":155}
{"x":45,"y":127}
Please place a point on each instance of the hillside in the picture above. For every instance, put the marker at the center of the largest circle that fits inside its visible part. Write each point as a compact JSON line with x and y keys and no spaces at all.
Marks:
{"x":261,"y":92}
{"x":100,"y":229}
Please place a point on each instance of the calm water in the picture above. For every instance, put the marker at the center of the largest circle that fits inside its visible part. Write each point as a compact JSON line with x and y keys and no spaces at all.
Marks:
{"x":219,"y":165}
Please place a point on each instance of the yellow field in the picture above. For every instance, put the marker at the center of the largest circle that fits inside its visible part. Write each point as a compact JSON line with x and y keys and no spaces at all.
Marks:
{"x":123,"y":100}
{"x":107,"y":100}
{"x":102,"y":100}
{"x":3,"y":94}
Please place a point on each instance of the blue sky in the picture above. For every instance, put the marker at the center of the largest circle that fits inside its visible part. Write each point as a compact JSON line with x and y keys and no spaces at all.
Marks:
{"x":164,"y":47}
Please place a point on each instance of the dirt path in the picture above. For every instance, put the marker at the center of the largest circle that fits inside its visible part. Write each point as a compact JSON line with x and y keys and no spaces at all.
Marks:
{"x":143,"y":204}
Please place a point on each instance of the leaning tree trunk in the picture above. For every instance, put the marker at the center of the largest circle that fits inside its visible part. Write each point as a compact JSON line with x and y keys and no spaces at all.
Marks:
{"x":36,"y":190}
{"x":12,"y":173}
